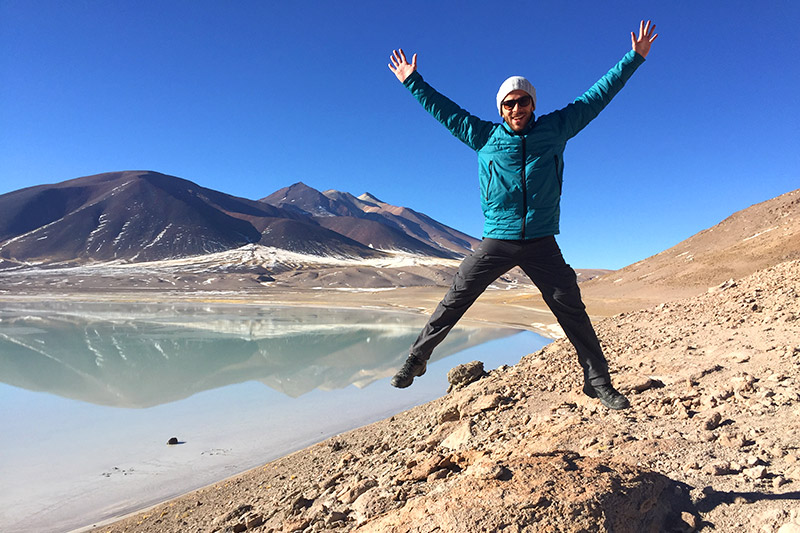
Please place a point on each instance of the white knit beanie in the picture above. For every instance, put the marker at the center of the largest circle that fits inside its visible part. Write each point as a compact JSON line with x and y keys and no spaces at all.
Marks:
{"x":512,"y":84}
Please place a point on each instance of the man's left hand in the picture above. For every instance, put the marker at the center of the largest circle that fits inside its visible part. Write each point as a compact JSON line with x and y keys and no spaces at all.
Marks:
{"x":641,"y":45}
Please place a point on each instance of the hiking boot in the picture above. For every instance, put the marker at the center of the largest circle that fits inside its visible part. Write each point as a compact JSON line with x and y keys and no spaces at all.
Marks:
{"x":608,"y":396}
{"x":413,"y":367}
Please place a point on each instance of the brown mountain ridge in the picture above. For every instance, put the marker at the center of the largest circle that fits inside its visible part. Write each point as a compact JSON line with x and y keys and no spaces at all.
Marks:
{"x":138,"y":216}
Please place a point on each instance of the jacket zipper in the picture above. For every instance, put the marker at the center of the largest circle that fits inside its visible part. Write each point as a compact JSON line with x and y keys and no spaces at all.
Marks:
{"x":489,"y":181}
{"x":524,"y":189}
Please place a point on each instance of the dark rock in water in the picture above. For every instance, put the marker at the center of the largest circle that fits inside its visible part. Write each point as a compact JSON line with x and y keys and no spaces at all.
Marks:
{"x":173,"y":441}
{"x":463,"y":375}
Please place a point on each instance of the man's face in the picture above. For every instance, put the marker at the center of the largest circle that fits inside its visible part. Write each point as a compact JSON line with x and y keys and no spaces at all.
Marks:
{"x":518,"y":115}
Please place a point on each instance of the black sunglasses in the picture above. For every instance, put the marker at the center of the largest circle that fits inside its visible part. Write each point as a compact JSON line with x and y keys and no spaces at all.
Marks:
{"x":523,"y":101}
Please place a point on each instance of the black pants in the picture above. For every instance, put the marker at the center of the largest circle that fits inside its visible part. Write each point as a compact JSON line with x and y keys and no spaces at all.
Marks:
{"x":542,"y":261}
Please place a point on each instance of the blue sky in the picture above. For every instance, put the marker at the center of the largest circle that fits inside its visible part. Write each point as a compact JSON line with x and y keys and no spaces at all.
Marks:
{"x":250,"y":96}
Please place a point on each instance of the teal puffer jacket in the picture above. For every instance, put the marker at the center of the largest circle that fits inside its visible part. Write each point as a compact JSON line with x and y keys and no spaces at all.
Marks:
{"x":521,"y":173}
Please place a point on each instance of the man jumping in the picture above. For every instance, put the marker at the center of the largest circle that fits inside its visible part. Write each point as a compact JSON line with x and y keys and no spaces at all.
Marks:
{"x":521,"y":167}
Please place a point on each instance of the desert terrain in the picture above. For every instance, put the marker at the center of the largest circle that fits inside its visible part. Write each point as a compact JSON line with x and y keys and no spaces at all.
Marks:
{"x":704,"y":338}
{"x":710,"y":442}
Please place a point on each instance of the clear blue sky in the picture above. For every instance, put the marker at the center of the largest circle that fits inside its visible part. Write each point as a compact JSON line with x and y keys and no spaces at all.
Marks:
{"x":250,"y":96}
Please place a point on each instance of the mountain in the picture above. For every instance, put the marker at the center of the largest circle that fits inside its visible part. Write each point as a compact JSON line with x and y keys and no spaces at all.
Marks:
{"x":136,"y":216}
{"x":749,"y":240}
{"x":374,"y":223}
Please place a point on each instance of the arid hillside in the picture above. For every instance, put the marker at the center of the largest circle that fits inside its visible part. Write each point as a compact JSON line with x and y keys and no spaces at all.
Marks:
{"x":758,"y":237}
{"x":709,"y":444}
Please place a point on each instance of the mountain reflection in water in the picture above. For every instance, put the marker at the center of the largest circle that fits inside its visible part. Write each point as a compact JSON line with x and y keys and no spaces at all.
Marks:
{"x":142,"y":355}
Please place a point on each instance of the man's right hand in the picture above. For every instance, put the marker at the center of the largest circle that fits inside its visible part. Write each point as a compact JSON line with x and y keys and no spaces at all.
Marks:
{"x":400,"y":65}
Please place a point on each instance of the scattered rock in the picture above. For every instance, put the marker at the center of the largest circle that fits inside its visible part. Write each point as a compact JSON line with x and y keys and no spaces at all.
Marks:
{"x":789,"y":527}
{"x":488,"y":469}
{"x":487,"y":402}
{"x":238,"y":512}
{"x":173,"y":441}
{"x":254,"y":521}
{"x":636,"y":383}
{"x":462,"y":375}
{"x":757,"y":472}
{"x":449,"y":413}
{"x":301,"y":503}
{"x":352,"y":491}
{"x":296,"y":525}
{"x":720,"y":468}
{"x":423,"y":469}
{"x":732,"y":440}
{"x":712,"y":421}
{"x":374,"y":502}
{"x":690,"y":520}
{"x":460,"y":437}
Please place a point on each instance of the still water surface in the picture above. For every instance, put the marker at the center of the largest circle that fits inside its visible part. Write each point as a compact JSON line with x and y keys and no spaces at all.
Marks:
{"x":90,"y":393}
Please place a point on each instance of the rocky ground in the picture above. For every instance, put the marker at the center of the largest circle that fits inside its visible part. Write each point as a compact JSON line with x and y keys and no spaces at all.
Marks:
{"x":711,"y":442}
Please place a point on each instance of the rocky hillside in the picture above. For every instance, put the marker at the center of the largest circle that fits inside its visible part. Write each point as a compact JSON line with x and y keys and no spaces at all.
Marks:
{"x":760,"y":236}
{"x":710,"y":443}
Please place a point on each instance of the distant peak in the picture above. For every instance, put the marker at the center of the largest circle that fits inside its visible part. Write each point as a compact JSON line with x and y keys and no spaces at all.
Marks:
{"x":368,"y":197}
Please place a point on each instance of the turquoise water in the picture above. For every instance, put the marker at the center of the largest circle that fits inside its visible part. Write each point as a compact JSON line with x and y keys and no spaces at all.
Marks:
{"x":90,"y":394}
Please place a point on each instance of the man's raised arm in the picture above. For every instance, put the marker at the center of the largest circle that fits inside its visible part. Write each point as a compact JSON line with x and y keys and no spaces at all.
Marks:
{"x":471,"y":130}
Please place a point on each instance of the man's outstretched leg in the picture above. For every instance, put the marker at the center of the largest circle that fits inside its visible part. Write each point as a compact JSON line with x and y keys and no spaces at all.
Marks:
{"x":489,"y":261}
{"x":558,"y":284}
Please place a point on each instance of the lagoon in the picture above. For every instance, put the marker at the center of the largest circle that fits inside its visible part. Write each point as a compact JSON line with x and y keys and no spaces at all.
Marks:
{"x":90,"y":393}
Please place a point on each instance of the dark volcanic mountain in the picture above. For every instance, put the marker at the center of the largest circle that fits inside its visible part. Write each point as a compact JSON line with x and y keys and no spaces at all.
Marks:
{"x":142,"y":216}
{"x":137,"y":216}
{"x":374,"y":223}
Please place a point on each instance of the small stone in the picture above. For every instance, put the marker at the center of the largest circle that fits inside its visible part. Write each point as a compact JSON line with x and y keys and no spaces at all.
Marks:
{"x":487,"y":402}
{"x":732,"y":440}
{"x":352,"y":492}
{"x":707,"y":436}
{"x":448,"y":414}
{"x":332,"y":480}
{"x":779,"y":482}
{"x":690,"y":520}
{"x":336,"y":516}
{"x":712,"y":422}
{"x":459,"y":437}
{"x":301,"y":503}
{"x":717,"y":469}
{"x":757,"y":472}
{"x":439,"y":474}
{"x":296,"y":525}
{"x":752,"y":460}
{"x":637,"y":383}
{"x":239,"y":512}
{"x":173,"y":441}
{"x":254,"y":521}
{"x":488,"y":470}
